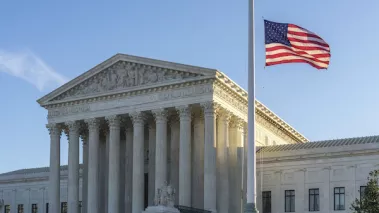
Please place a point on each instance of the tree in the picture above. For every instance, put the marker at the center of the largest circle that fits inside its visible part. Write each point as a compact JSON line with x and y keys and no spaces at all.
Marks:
{"x":369,"y":202}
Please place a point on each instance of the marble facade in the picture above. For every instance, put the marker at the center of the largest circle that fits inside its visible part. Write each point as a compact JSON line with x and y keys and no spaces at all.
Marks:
{"x":190,"y":119}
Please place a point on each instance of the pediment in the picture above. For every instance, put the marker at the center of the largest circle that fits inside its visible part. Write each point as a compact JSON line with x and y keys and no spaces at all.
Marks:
{"x":122,"y":75}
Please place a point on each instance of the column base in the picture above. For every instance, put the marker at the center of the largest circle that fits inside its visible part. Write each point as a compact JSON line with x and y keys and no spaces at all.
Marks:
{"x":250,"y":208}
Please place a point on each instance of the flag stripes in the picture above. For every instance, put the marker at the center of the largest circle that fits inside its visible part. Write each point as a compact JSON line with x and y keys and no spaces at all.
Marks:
{"x":289,"y":43}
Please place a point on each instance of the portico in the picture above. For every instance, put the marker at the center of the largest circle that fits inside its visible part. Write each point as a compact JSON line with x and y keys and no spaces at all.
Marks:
{"x":186,"y":122}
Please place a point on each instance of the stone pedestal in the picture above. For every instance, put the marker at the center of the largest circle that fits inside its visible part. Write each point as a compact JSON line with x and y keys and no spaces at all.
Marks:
{"x":161,"y":209}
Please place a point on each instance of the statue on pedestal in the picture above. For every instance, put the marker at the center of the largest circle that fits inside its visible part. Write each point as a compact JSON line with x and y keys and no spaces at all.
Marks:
{"x":165,"y":196}
{"x":163,"y":201}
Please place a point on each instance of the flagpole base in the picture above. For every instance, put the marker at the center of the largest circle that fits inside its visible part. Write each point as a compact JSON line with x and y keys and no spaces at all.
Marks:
{"x":250,"y":208}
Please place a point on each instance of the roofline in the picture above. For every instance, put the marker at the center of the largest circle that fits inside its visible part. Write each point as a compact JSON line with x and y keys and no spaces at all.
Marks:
{"x":222,"y":77}
{"x":236,"y":88}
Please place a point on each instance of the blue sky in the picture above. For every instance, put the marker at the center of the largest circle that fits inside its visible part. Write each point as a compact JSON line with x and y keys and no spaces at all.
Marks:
{"x":45,"y":43}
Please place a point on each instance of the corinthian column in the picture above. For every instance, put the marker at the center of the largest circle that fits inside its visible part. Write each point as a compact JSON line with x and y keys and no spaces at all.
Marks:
{"x":210,"y":190}
{"x":235,"y":165}
{"x":128,"y":168}
{"x":185,"y":156}
{"x":114,"y":164}
{"x":222,"y":162}
{"x":93,"y":167}
{"x":73,"y":167}
{"x":174,"y":155}
{"x":85,"y":172}
{"x":151,"y":165}
{"x":198,"y":161}
{"x":138,"y":163}
{"x":160,"y":148}
{"x":54,"y":176}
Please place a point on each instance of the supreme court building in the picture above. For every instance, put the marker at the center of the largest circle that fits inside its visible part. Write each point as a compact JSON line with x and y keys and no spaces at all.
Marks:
{"x":143,"y":122}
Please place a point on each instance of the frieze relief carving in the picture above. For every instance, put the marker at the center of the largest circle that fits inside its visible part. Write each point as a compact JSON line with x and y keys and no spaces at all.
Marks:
{"x":123,"y":75}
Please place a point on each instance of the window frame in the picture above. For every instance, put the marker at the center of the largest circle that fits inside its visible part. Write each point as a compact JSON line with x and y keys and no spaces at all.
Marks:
{"x":339,"y":194}
{"x":34,"y":208}
{"x":20,"y":208}
{"x":7,"y":208}
{"x":313,"y":195}
{"x":361,"y":192}
{"x":291,"y":195}
{"x":266,"y":197}
{"x":63,"y":204}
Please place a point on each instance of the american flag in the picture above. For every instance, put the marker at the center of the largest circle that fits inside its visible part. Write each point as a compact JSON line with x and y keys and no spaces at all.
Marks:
{"x":289,"y":43}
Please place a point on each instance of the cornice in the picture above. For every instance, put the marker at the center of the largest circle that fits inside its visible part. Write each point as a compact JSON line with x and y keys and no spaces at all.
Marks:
{"x":318,"y":156}
{"x":239,"y":94}
{"x":208,"y":75}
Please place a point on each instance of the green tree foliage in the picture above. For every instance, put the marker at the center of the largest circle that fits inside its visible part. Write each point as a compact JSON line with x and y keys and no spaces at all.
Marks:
{"x":369,"y":203}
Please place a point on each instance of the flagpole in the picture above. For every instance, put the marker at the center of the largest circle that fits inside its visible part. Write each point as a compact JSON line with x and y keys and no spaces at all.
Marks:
{"x":250,"y":206}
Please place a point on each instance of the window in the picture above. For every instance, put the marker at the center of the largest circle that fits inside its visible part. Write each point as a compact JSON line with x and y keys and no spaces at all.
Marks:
{"x":34,"y":208}
{"x":314,"y":200}
{"x":7,"y":209}
{"x":47,"y":207}
{"x":64,"y":207}
{"x":289,"y":201}
{"x":20,"y":208}
{"x":362,"y":192}
{"x":339,"y":198}
{"x":266,"y":140}
{"x":266,"y":201}
{"x":274,"y":143}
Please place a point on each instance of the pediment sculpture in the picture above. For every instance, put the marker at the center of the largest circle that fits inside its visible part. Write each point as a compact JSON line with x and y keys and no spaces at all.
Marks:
{"x":123,"y":75}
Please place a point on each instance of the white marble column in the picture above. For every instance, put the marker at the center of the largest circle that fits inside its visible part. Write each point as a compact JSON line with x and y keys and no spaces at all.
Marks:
{"x":222,"y":162}
{"x":160,"y":116}
{"x":240,"y":163}
{"x":198,"y":162}
{"x":114,"y":164}
{"x":234,"y":188}
{"x":54,"y":176}
{"x":85,"y":172}
{"x":185,"y":156}
{"x":128,"y":168}
{"x":210,"y":190}
{"x":102,"y":170}
{"x":106,"y":169}
{"x":174,"y":156}
{"x":73,"y":167}
{"x":151,"y":170}
{"x":93,"y":166}
{"x":138,"y":163}
{"x":245,"y":152}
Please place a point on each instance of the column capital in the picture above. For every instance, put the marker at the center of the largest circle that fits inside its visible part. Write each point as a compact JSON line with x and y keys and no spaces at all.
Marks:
{"x":225,"y":115}
{"x":160,"y":115}
{"x":93,"y":124}
{"x":210,"y":108}
{"x":236,"y":122}
{"x":73,"y":126}
{"x":113,"y":121}
{"x":184,"y":111}
{"x":54,"y":129}
{"x":138,"y":118}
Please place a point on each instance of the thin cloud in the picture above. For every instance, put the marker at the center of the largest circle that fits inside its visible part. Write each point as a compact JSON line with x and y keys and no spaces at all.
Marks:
{"x":26,"y":65}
